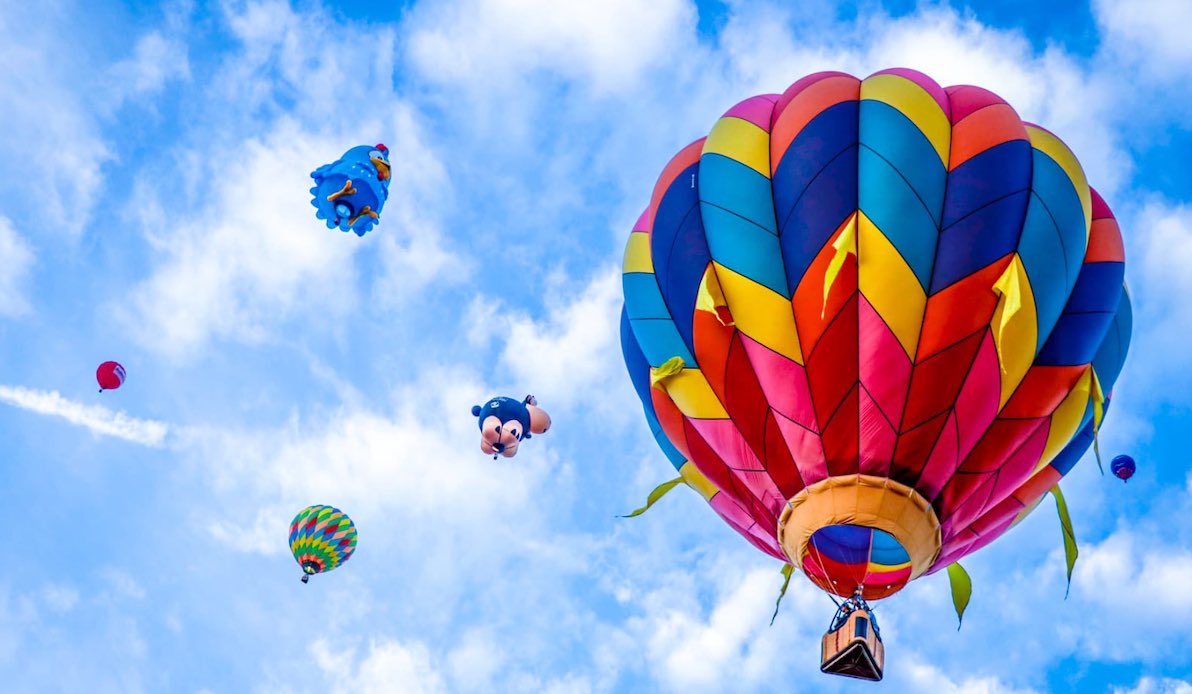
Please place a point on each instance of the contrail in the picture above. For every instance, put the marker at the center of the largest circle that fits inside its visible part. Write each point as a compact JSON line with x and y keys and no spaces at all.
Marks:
{"x":97,"y":418}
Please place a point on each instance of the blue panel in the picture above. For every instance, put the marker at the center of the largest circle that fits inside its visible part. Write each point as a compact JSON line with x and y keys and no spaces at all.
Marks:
{"x":887,"y":550}
{"x":895,"y":138}
{"x":642,"y":296}
{"x":728,"y":183}
{"x":678,"y":203}
{"x":660,"y":341}
{"x":827,"y":202}
{"x":679,"y":252}
{"x":639,"y":374}
{"x":745,"y":248}
{"x":978,"y":239}
{"x":847,"y":544}
{"x":995,"y":173}
{"x":890,"y":204}
{"x":1068,"y":457}
{"x":1112,"y":353}
{"x":1098,"y":288}
{"x":1042,"y":256}
{"x":819,"y":143}
{"x":1075,"y":339}
{"x":1055,"y":189}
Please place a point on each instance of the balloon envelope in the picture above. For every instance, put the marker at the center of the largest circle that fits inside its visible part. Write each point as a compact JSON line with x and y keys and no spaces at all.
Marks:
{"x":1122,"y":467}
{"x":322,"y":538}
{"x":110,"y":375}
{"x":898,"y":313}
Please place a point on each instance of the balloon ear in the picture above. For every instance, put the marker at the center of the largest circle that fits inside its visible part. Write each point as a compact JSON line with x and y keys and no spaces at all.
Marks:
{"x":539,"y":420}
{"x":475,"y":410}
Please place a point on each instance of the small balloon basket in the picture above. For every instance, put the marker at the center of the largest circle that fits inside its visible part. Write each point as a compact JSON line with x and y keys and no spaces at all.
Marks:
{"x":853,"y":645}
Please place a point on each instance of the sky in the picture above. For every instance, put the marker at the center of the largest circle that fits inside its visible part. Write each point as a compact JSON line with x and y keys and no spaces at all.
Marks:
{"x":155,"y":210}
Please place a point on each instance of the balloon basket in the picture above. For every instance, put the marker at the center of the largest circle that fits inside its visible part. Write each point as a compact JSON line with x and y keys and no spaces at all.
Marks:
{"x":853,"y":646}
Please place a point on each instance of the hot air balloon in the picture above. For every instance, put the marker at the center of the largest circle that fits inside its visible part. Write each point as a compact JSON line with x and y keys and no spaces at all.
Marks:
{"x":1122,"y":467}
{"x":350,"y":192}
{"x":321,"y":538}
{"x":506,"y":422}
{"x":873,"y":322}
{"x":110,"y":376}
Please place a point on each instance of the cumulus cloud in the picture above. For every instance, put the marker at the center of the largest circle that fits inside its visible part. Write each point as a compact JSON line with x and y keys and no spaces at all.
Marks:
{"x":1148,"y":34}
{"x":95,"y":418}
{"x":1157,"y":685}
{"x":386,"y":665}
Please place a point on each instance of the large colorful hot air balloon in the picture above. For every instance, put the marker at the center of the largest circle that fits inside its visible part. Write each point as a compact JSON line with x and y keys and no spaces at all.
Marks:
{"x":110,"y":376}
{"x":874,"y":321}
{"x":321,"y":538}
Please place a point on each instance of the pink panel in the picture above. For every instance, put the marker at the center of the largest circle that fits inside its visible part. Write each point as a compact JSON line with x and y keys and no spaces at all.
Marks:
{"x":726,"y":441}
{"x":877,"y":438}
{"x":763,"y":488}
{"x":942,"y":463}
{"x":739,"y":519}
{"x":978,"y":400}
{"x":885,"y":370}
{"x":1017,"y":467}
{"x":755,"y":109}
{"x":783,"y":381}
{"x":806,"y":448}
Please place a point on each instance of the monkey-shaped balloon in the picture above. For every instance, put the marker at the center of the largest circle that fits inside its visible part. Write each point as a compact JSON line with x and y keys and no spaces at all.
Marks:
{"x":505,"y":422}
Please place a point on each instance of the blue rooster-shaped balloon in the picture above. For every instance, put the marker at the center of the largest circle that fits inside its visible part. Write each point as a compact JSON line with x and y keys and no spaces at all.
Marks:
{"x":350,"y":192}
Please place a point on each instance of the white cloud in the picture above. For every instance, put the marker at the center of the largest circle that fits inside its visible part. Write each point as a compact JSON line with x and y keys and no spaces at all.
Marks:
{"x":388,"y":666}
{"x":487,"y":43}
{"x":922,"y":677}
{"x":568,"y":356}
{"x":50,"y":134}
{"x":96,"y":418}
{"x":252,"y":259}
{"x":14,"y":270}
{"x":156,"y":61}
{"x":1148,"y":34}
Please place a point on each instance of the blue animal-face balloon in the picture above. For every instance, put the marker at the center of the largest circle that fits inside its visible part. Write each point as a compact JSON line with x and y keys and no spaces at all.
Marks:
{"x":506,"y":422}
{"x":350,"y":192}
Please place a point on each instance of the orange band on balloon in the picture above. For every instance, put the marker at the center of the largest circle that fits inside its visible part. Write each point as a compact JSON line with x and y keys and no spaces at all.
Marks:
{"x":865,"y":500}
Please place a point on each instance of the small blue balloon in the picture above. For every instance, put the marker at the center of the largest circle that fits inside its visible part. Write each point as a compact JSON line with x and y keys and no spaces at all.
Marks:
{"x":1122,"y":467}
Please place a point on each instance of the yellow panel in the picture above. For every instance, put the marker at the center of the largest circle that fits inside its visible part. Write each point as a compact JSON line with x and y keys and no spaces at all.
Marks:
{"x":1066,"y":419}
{"x":637,"y":254}
{"x":914,"y":103}
{"x":1017,"y":336}
{"x":693,"y":396}
{"x":890,"y":286}
{"x":742,"y":141}
{"x":696,"y":480}
{"x":1055,"y":148}
{"x":761,"y":313}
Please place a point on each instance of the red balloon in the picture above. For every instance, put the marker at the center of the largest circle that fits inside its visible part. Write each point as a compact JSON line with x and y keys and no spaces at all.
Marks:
{"x":110,"y":375}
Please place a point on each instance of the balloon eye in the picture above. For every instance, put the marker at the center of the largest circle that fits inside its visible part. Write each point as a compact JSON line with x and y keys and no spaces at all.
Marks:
{"x":514,"y":432}
{"x":498,"y":428}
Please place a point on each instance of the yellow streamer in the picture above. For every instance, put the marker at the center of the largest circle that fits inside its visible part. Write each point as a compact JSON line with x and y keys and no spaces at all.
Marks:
{"x":1098,"y":413}
{"x":844,"y":244}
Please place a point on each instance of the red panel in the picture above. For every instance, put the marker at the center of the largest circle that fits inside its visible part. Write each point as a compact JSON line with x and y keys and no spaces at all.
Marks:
{"x":960,"y":309}
{"x":936,"y":381}
{"x":806,"y":448}
{"x":779,"y":461}
{"x":1105,"y":242}
{"x":840,"y":437}
{"x":884,"y":368}
{"x":812,"y":314}
{"x":671,"y":419}
{"x":977,"y":403}
{"x":913,"y":447}
{"x":942,"y":462}
{"x":1042,"y":390}
{"x":986,"y":128}
{"x":877,"y":438}
{"x":832,"y":367}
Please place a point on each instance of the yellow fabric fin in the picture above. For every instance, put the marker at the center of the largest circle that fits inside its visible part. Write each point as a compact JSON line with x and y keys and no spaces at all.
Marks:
{"x":669,"y":368}
{"x":844,"y":244}
{"x":711,"y":298}
{"x":1010,"y":288}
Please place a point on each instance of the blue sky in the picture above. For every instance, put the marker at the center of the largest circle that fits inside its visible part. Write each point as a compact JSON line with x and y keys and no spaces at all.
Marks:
{"x":155,"y":210}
